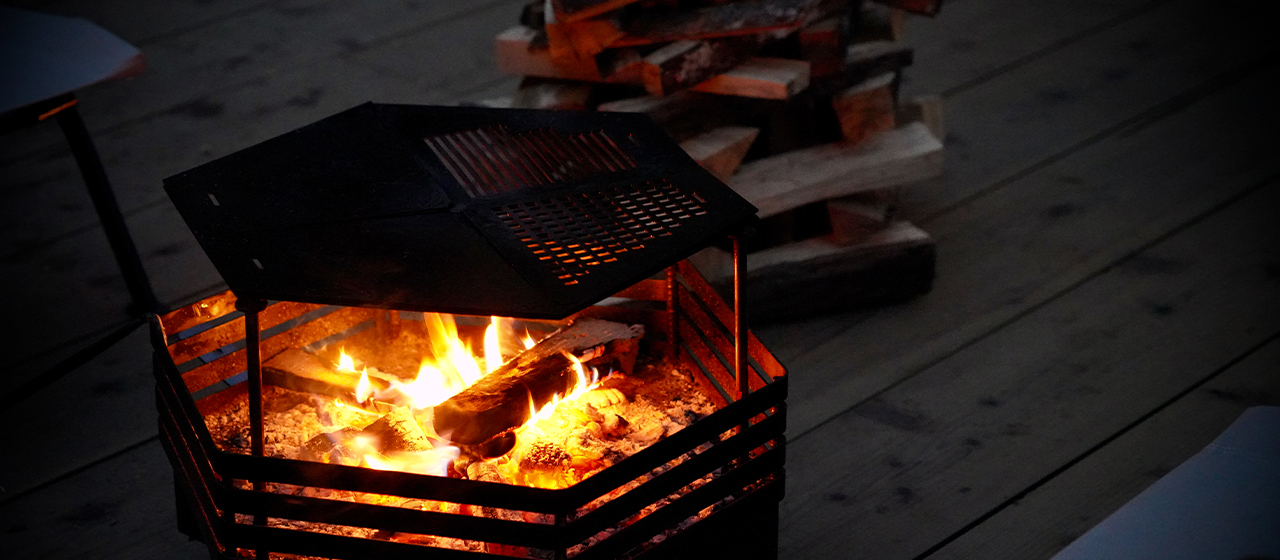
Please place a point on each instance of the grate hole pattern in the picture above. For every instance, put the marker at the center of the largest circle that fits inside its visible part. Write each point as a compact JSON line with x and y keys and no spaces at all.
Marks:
{"x":573,"y":234}
{"x":490,"y":161}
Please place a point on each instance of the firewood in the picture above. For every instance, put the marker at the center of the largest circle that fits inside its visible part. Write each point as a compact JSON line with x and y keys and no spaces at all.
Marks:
{"x":574,"y":10}
{"x":867,"y":108}
{"x":516,"y":54}
{"x":817,"y":276}
{"x":686,"y":63}
{"x":823,"y":45}
{"x":398,"y":430}
{"x":547,"y":93}
{"x":581,"y":39}
{"x":300,"y":370}
{"x":501,"y":399}
{"x":332,"y":447}
{"x":894,"y":158}
{"x":682,"y":115}
{"x":923,"y":7}
{"x":863,"y":61}
{"x":726,"y":19}
{"x":876,"y":22}
{"x":761,"y":78}
{"x":855,"y":217}
{"x":721,"y":150}
{"x":926,"y":109}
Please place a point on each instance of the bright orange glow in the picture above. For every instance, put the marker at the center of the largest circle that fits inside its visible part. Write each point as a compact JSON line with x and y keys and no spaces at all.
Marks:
{"x":364,"y":389}
{"x":492,"y":348}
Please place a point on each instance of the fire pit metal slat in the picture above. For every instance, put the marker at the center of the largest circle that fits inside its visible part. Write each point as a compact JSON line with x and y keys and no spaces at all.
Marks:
{"x":708,"y":494}
{"x":679,"y":476}
{"x":398,"y":519}
{"x":235,"y":362}
{"x":708,"y":297}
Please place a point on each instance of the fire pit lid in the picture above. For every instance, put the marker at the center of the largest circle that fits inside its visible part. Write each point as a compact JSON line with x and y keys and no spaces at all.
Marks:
{"x":464,"y":210}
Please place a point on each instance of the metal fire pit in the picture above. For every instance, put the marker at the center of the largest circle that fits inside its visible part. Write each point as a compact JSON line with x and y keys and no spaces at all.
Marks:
{"x":335,"y":228}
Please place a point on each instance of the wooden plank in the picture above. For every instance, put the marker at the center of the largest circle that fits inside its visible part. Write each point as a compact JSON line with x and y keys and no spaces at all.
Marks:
{"x":867,"y":108}
{"x":926,"y":109}
{"x":105,"y":405}
{"x":922,"y":7}
{"x":855,"y":217}
{"x":762,"y":78}
{"x":793,"y":179}
{"x":728,"y":19}
{"x":683,"y":115}
{"x":515,"y":54}
{"x":1105,"y":190}
{"x":940,"y":449}
{"x":85,"y":515}
{"x":823,"y":45}
{"x":1074,"y":501}
{"x":721,"y":150}
{"x":574,"y":10}
{"x":683,"y":64}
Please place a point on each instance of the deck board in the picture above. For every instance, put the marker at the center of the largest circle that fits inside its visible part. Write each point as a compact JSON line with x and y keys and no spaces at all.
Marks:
{"x":1069,"y":504}
{"x":926,"y":457}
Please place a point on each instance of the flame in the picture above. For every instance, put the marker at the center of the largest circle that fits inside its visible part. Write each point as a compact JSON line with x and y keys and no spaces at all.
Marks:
{"x":431,"y":387}
{"x":527,"y":341}
{"x":581,"y":387}
{"x":345,"y":363}
{"x":492,"y":350}
{"x":432,"y":461}
{"x":364,"y":389}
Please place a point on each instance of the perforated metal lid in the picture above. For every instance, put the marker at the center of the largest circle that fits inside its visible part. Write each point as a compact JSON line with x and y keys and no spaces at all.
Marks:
{"x":454,"y":209}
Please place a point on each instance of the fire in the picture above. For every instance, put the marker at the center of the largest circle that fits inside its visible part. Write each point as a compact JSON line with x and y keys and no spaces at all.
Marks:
{"x":580,"y":387}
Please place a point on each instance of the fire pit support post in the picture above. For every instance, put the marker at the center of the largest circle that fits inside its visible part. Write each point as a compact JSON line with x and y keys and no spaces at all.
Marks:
{"x":673,"y":331}
{"x":253,"y":363}
{"x":740,"y":317}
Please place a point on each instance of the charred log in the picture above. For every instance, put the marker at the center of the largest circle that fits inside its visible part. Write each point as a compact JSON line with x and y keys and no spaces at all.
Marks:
{"x":500,"y":400}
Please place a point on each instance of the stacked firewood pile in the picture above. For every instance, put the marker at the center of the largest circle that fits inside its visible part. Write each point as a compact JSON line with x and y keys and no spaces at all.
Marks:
{"x":793,"y":103}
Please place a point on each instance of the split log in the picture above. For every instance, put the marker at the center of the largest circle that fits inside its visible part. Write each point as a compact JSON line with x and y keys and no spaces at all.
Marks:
{"x":332,"y":447}
{"x":726,"y":19}
{"x":877,"y":22}
{"x":721,"y":150}
{"x":548,"y":93}
{"x":862,"y":61}
{"x":398,"y":430}
{"x":761,"y":78}
{"x":817,"y":276}
{"x":581,"y":39}
{"x":300,"y":370}
{"x":855,"y":217}
{"x":684,"y":64}
{"x":898,"y":157}
{"x":515,"y":53}
{"x":867,"y":108}
{"x":823,"y":46}
{"x":574,"y":10}
{"x":926,"y":109}
{"x":923,"y":7}
{"x":500,"y":400}
{"x":682,"y":115}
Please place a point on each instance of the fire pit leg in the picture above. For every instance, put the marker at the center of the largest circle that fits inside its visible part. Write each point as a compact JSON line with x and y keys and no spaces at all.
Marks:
{"x":253,"y":359}
{"x":740,"y":318}
{"x":673,"y":331}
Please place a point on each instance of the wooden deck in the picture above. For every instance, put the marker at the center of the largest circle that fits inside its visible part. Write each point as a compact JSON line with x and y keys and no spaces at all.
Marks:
{"x":1108,"y":297}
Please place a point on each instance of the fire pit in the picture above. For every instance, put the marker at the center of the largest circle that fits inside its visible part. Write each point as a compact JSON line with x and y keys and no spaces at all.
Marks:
{"x":327,"y":407}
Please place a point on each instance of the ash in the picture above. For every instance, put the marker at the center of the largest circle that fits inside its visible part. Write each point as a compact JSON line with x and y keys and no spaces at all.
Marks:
{"x":623,"y":416}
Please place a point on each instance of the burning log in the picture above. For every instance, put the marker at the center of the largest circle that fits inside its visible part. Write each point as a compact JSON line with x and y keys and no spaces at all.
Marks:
{"x":300,"y":370}
{"x":332,"y":447}
{"x":398,"y":431}
{"x":500,"y":400}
